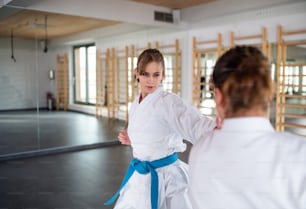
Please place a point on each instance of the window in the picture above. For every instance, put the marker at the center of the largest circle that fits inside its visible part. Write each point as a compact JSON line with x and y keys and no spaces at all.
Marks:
{"x":85,"y":74}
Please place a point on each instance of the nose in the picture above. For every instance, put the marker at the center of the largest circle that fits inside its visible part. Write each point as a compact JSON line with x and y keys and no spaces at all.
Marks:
{"x":150,"y":79}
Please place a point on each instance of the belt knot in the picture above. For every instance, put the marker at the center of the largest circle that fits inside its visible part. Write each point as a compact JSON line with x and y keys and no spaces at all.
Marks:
{"x":144,"y":167}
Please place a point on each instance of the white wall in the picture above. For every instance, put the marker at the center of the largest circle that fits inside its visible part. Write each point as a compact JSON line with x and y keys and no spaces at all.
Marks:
{"x":24,"y":83}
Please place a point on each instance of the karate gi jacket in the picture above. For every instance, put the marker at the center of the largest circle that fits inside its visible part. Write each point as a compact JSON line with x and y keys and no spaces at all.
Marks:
{"x":157,"y":127}
{"x":248,"y":165}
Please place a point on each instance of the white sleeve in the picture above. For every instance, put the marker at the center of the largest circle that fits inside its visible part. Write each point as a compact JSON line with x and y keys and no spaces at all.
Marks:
{"x":185,"y":119}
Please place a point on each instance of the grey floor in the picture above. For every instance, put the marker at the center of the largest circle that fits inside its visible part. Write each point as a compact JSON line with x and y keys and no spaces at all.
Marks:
{"x":69,"y":180}
{"x":77,"y":180}
{"x":23,"y":131}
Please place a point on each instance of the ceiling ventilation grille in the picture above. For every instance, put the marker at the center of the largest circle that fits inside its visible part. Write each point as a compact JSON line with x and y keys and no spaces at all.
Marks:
{"x":163,"y":16}
{"x":22,"y":3}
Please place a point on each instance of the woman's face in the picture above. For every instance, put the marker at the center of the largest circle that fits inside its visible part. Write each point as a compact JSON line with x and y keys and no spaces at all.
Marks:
{"x":151,"y":78}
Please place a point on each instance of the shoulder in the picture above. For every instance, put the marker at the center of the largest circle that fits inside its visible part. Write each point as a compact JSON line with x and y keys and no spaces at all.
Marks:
{"x":168,"y":98}
{"x":171,"y":98}
{"x":288,"y":137}
{"x":287,"y":146}
{"x":291,"y":140}
{"x":166,"y":94}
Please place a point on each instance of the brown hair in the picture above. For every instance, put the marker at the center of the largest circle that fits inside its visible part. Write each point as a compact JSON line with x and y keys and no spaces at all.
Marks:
{"x":243,"y":76}
{"x":148,"y":56}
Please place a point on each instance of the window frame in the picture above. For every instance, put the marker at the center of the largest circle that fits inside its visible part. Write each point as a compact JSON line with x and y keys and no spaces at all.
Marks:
{"x":87,"y":99}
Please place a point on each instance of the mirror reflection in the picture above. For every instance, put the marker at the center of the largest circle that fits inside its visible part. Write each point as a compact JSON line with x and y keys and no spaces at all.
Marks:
{"x":64,"y":81}
{"x":34,"y":85}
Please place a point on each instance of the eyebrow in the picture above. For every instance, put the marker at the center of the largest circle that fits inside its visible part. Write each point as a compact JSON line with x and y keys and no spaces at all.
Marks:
{"x":145,"y":73}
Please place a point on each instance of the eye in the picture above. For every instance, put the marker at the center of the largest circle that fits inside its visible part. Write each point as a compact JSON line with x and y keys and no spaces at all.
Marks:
{"x":156,"y":74}
{"x":145,"y":74}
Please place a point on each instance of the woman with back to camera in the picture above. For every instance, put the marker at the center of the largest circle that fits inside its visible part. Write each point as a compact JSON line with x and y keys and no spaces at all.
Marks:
{"x":246,"y":163}
{"x":158,"y":123}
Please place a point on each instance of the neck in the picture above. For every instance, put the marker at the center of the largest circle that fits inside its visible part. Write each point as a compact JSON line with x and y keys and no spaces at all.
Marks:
{"x":248,"y":113}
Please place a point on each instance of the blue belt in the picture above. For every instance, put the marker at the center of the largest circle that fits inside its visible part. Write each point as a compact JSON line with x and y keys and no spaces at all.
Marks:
{"x":144,"y":167}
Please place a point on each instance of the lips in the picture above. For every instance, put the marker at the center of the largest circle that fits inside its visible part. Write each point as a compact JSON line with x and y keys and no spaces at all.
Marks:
{"x":150,"y":87}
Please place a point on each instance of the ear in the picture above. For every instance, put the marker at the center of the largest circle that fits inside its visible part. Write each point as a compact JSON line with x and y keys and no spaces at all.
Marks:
{"x":136,"y":74}
{"x":218,"y":97}
{"x":220,"y":103}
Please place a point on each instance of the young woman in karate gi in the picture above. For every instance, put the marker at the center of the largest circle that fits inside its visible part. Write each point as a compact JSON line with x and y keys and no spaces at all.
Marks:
{"x":158,"y":123}
{"x":246,"y":163}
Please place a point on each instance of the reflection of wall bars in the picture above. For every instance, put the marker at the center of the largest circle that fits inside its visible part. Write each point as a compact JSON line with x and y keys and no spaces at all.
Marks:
{"x":172,"y":56}
{"x":256,"y":40}
{"x":62,"y":82}
{"x":113,"y":77}
{"x":121,"y":83}
{"x":290,"y":105}
{"x":101,"y":99}
{"x":204,"y":53}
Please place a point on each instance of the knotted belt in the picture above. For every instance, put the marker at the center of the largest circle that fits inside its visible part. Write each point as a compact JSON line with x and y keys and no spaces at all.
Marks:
{"x":144,"y":167}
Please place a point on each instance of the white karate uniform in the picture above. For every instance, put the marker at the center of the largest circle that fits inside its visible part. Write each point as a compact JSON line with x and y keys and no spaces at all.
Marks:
{"x":157,"y":127}
{"x":248,"y":165}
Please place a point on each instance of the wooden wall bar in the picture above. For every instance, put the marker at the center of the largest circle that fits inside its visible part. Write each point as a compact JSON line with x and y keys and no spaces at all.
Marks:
{"x":291,"y":86}
{"x":205,"y":53}
{"x":62,"y":82}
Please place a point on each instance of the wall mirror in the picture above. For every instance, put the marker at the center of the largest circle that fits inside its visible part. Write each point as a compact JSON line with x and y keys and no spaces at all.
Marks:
{"x":29,"y":119}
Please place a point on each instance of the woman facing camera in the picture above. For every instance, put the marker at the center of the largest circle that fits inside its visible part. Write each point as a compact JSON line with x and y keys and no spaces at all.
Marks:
{"x":246,"y":163}
{"x":158,"y":123}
